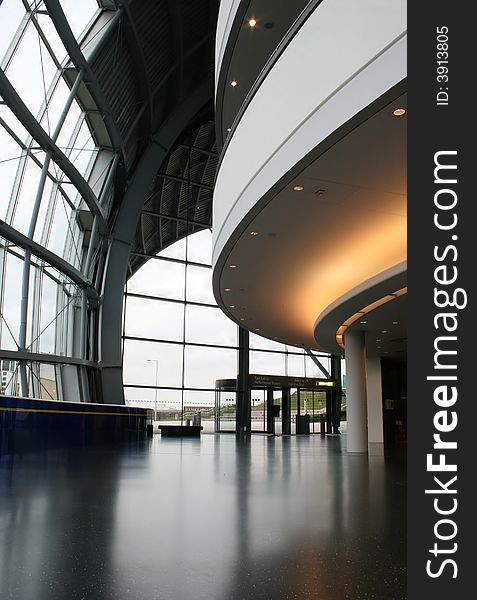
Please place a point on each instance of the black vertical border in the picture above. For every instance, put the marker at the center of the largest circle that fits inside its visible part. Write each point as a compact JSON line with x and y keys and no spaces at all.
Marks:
{"x":432,"y":128}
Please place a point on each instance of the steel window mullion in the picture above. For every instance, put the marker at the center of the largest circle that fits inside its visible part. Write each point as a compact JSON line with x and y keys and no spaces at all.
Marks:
{"x":171,"y":387}
{"x":44,"y":39}
{"x":181,"y":261}
{"x":25,"y":117}
{"x":61,"y":265}
{"x":29,"y":152}
{"x":174,"y":300}
{"x":179,"y":343}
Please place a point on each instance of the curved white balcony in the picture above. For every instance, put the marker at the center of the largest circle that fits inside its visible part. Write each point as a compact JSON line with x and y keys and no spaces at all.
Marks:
{"x":321,"y":114}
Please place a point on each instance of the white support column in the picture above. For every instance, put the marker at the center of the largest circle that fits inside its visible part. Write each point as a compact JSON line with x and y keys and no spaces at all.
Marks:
{"x":357,"y":426}
{"x":375,"y":400}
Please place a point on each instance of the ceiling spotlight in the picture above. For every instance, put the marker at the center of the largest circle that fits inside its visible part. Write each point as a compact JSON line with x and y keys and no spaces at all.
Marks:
{"x":227,"y":290}
{"x":395,"y":322}
{"x":252,"y":22}
{"x":399,"y":112}
{"x":229,"y":129}
{"x":378,"y":340}
{"x":242,"y":318}
{"x":232,"y":266}
{"x":233,"y":83}
{"x":384,"y":331}
{"x":232,"y":306}
{"x":254,"y":233}
{"x":363,"y":322}
{"x":257,"y":329}
{"x":298,"y":188}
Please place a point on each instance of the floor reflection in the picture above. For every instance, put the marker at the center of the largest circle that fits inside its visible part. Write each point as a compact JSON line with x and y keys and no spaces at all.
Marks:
{"x":203,"y":519}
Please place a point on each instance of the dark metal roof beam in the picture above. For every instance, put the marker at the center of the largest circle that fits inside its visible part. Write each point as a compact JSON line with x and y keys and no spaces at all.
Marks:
{"x":138,"y":55}
{"x":76,"y":55}
{"x":183,"y":180}
{"x":159,"y":215}
{"x":43,"y":269}
{"x":318,"y":364}
{"x":201,"y":150}
{"x":19,"y":239}
{"x":40,"y":357}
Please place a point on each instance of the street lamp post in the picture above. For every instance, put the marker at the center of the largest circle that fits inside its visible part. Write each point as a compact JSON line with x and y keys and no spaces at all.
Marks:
{"x":154,"y":360}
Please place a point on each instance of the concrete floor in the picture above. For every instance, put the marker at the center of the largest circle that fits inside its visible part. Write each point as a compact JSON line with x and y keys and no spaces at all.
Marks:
{"x":214,"y":519}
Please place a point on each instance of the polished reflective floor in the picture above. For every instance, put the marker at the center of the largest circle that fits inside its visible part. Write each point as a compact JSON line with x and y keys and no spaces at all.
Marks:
{"x":215,"y":519}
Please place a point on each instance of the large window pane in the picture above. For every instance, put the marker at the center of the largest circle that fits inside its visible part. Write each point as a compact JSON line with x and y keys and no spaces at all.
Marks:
{"x":176,"y":250}
{"x":155,"y":319}
{"x":167,"y":400}
{"x":199,"y":247}
{"x":12,"y":13}
{"x":199,"y":399}
{"x":47,"y":316}
{"x":209,"y":325}
{"x":139,"y":371}
{"x":204,"y":365}
{"x":296,"y":365}
{"x":199,"y":285}
{"x":47,"y":387}
{"x":267,"y":363}
{"x":262,"y":343}
{"x":9,"y":157}
{"x":31,"y":70}
{"x":159,"y":278}
{"x":11,"y":308}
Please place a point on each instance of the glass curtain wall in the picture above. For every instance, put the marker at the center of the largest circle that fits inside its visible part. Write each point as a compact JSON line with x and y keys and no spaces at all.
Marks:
{"x":49,"y":156}
{"x":177,"y":342}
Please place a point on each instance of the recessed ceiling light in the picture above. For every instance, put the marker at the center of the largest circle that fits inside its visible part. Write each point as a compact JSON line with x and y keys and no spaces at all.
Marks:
{"x":378,"y":340}
{"x":252,"y":22}
{"x":228,"y":290}
{"x":254,"y":233}
{"x":399,"y":112}
{"x":228,"y":129}
{"x":232,"y":266}
{"x":379,"y":347}
{"x":386,"y":352}
{"x":395,"y":322}
{"x":258,"y":329}
{"x":383,"y":331}
{"x":320,"y":192}
{"x":242,"y":318}
{"x":232,"y":306}
{"x":233,"y":83}
{"x":298,"y":188}
{"x":363,"y":322}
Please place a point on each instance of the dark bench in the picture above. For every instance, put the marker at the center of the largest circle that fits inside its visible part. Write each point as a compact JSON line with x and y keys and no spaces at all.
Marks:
{"x":180,"y":430}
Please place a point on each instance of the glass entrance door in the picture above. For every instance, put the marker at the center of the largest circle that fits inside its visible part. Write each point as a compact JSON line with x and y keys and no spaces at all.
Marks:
{"x":225,"y":410}
{"x":259,"y":410}
{"x":277,"y":400}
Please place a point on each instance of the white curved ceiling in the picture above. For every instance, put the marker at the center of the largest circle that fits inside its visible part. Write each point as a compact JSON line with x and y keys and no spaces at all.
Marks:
{"x":347,"y":225}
